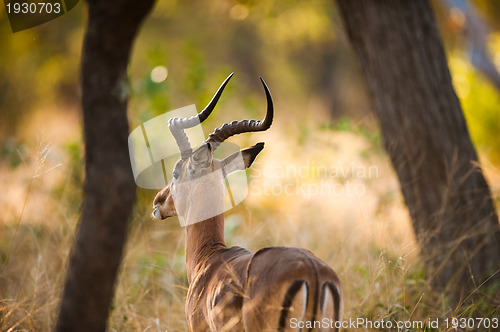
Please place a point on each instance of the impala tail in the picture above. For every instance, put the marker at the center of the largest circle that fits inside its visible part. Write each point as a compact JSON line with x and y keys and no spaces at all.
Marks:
{"x":298,"y":314}
{"x":301,"y":292}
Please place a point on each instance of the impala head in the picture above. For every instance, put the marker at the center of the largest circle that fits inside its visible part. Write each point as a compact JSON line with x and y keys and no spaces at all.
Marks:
{"x":197,"y":184}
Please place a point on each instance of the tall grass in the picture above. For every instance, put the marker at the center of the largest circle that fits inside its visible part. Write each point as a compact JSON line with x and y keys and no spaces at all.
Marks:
{"x":366,"y":238}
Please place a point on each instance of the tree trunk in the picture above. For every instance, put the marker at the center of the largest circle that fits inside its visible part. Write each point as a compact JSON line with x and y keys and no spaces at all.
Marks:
{"x":109,"y":184}
{"x":427,"y":139}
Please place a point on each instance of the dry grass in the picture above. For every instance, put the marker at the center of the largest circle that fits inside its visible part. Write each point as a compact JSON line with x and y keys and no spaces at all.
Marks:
{"x":366,"y":238}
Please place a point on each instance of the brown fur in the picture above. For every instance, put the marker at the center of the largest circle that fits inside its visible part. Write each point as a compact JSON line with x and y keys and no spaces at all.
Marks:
{"x":233,"y":289}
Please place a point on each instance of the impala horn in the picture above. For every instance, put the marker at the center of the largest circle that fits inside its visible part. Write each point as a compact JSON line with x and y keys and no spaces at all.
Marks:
{"x":244,"y":126}
{"x":177,"y":125}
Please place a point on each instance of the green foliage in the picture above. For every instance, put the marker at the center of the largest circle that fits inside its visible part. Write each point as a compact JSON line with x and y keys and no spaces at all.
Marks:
{"x":480,"y":102}
{"x":347,"y":124}
{"x":38,"y":67}
{"x":12,"y":152}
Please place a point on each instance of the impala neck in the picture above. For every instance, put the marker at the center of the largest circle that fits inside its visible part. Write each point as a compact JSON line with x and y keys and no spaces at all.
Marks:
{"x":202,"y":239}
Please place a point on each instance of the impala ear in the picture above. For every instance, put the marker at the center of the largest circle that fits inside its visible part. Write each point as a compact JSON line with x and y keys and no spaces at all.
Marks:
{"x":241,"y":160}
{"x":202,"y":157}
{"x":249,"y":154}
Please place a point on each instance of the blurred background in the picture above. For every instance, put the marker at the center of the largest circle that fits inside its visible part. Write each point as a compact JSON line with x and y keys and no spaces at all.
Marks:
{"x":324,"y":136}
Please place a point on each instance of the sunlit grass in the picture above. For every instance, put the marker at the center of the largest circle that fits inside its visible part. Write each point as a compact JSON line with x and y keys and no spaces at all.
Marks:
{"x":366,"y":238}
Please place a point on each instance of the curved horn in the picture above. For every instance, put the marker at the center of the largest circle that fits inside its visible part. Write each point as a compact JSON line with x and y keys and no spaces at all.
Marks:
{"x":244,"y":126}
{"x":177,"y":125}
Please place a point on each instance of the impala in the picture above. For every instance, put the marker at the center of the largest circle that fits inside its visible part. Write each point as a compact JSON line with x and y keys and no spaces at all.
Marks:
{"x":233,"y":289}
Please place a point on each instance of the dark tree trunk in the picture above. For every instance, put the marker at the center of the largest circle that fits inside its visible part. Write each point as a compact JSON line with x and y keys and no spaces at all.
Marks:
{"x":426,"y":136}
{"x":109,"y":185}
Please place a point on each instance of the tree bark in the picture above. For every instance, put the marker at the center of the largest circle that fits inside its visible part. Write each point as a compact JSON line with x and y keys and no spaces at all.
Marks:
{"x":109,"y":184}
{"x":427,"y":139}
